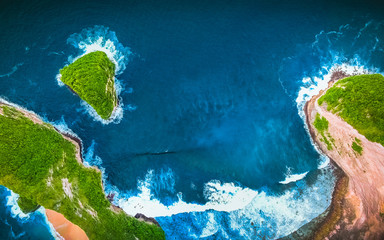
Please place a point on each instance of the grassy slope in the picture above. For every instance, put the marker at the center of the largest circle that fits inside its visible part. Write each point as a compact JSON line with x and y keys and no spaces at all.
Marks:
{"x":32,"y":155}
{"x":92,"y":78}
{"x":356,"y":146}
{"x":359,"y":100}
{"x":321,"y":124}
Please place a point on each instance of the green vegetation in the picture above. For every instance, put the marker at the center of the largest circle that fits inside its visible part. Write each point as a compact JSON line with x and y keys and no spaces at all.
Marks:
{"x":321,"y":124}
{"x":359,"y":100}
{"x":40,"y":165}
{"x":27,"y":205}
{"x":92,"y":78}
{"x":356,"y":146}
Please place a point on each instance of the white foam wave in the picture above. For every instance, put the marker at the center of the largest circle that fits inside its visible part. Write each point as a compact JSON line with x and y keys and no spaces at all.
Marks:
{"x":290,"y":177}
{"x":100,"y":38}
{"x":212,"y":226}
{"x":15,"y":209}
{"x":220,"y":196}
{"x":58,"y":79}
{"x":284,"y":213}
{"x":116,"y":117}
{"x":90,"y":159}
{"x":275,"y":216}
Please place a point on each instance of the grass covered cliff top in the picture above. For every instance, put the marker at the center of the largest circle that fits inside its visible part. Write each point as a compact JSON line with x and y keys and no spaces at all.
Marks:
{"x":39,"y":164}
{"x":359,"y":100}
{"x":92,"y":78}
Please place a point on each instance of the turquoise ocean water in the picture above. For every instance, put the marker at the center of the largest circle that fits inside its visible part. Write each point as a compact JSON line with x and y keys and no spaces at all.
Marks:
{"x":209,"y":138}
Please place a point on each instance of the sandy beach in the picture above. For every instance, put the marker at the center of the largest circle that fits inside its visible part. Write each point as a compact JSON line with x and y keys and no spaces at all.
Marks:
{"x":65,"y":228}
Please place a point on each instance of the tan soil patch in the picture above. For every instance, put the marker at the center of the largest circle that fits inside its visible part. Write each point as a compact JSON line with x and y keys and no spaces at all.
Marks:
{"x":67,"y":187}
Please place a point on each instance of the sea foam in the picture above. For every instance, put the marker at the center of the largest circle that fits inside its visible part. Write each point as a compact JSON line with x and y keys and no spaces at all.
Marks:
{"x":240,"y":205}
{"x":290,"y":177}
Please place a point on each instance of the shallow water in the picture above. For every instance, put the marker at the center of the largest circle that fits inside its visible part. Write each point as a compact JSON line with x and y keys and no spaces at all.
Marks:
{"x":214,"y":87}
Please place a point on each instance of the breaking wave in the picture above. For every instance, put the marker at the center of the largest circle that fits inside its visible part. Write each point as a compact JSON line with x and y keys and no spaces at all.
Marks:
{"x":230,"y":211}
{"x":290,"y":177}
{"x":100,"y":38}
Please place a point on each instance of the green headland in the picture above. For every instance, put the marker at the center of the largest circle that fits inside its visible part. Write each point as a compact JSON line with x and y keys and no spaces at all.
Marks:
{"x":44,"y":167}
{"x":358,"y":100}
{"x":92,"y":78}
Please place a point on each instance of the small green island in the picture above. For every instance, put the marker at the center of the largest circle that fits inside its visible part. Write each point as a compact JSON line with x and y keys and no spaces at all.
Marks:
{"x":45,"y":168}
{"x":92,"y":77}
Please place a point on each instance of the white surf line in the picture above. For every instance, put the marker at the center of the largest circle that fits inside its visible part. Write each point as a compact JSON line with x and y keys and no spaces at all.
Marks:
{"x":313,"y":85}
{"x":293,"y":178}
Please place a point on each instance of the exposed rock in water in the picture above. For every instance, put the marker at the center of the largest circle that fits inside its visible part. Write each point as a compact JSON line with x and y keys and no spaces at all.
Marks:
{"x":144,"y":218}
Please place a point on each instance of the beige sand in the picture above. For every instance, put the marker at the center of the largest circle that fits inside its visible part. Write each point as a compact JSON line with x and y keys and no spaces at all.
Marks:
{"x":65,"y":228}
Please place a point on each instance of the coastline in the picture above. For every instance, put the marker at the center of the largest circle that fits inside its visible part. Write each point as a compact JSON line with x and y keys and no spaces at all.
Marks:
{"x":357,"y":202}
{"x":117,"y":100}
{"x":63,"y":227}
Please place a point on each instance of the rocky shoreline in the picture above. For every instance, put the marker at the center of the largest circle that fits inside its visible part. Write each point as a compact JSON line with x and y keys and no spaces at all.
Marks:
{"x":357,"y":201}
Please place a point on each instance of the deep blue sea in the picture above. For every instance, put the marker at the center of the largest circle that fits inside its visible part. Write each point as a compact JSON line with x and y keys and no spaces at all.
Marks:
{"x":209,"y":138}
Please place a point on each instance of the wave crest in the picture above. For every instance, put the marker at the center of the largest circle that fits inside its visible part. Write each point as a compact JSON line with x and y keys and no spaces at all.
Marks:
{"x":100,"y":38}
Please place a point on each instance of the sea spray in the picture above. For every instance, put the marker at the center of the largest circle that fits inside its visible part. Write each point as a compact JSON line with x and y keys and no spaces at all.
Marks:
{"x":267,"y":215}
{"x":100,"y":38}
